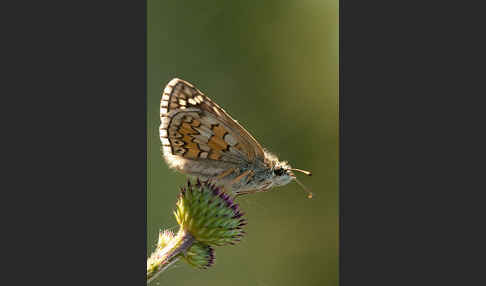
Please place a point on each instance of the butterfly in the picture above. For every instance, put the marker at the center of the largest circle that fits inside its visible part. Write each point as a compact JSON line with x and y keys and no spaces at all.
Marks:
{"x":200,"y":139}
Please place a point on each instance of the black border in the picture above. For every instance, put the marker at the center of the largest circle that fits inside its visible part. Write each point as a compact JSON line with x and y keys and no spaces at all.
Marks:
{"x":409,"y":143}
{"x":81,"y":142}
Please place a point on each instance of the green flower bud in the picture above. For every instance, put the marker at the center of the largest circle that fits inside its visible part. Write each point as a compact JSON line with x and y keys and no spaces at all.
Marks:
{"x":209,"y":215}
{"x":200,"y":255}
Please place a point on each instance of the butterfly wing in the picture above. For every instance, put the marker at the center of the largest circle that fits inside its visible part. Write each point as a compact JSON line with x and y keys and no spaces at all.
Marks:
{"x":198,"y":137}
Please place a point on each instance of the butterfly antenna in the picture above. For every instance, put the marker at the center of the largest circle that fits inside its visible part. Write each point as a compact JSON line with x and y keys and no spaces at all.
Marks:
{"x":308,"y":173}
{"x":309,"y":193}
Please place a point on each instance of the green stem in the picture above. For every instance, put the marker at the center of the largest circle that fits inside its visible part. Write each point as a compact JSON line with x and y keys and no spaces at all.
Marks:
{"x":161,"y":259}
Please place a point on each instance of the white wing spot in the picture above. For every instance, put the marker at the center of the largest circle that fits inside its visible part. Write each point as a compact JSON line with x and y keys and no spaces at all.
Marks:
{"x":165,"y":141}
{"x":182,"y":102}
{"x":163,"y":133}
{"x":192,"y":101}
{"x":167,"y":150}
{"x":203,"y":155}
{"x":165,"y":97}
{"x":164,"y":103}
{"x":164,"y":123}
{"x":163,"y":110}
{"x":173,"y":81}
{"x":230,"y":140}
{"x":168,"y":89}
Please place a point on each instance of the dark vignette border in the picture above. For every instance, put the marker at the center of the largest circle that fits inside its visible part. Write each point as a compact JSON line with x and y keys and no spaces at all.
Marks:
{"x":81,"y":142}
{"x":408,"y":128}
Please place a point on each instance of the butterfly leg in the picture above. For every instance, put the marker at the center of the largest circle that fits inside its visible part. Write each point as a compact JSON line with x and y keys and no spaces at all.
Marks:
{"x":245,"y":193}
{"x":225,"y":173}
{"x":263,"y":189}
{"x":237,"y":179}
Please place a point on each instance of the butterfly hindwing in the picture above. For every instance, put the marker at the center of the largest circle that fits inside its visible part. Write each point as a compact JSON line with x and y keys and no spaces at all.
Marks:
{"x":197,"y":129}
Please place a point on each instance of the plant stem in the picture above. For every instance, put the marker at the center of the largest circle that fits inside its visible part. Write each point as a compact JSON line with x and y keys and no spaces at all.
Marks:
{"x":162,"y":258}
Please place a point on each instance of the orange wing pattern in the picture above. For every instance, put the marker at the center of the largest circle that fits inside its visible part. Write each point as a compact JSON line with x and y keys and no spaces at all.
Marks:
{"x":194,"y":127}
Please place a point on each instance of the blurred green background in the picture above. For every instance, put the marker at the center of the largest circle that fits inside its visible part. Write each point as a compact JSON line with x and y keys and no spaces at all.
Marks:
{"x":273,"y":65}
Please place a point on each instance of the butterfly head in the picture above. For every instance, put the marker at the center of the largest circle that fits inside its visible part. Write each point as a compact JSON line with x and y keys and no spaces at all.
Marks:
{"x":283,"y":174}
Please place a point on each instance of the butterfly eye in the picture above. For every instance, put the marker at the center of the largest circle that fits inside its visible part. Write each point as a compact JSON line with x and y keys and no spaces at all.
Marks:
{"x":279,"y":172}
